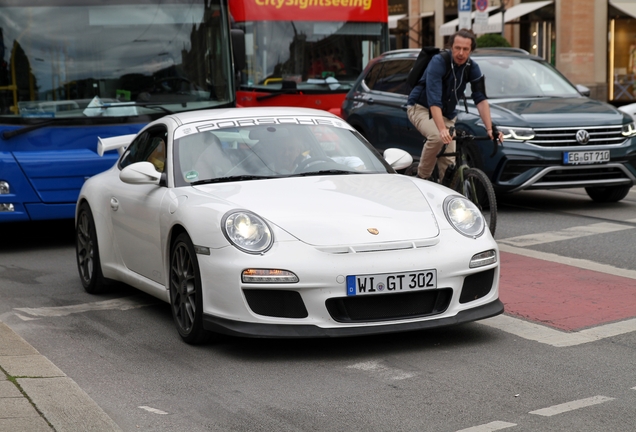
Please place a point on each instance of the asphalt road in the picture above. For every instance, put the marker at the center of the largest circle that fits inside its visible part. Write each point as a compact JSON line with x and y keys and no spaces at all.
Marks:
{"x":561,"y":358}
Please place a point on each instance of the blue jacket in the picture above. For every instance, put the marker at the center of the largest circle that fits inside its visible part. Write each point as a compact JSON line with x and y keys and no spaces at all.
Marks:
{"x":431,"y":91}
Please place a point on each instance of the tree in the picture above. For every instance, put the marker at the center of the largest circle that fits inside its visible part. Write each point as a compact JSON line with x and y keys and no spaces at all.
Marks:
{"x":490,"y":40}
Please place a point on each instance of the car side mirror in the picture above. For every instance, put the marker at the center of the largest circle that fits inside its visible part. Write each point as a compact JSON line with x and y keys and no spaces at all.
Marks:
{"x":140,"y":173}
{"x":583,"y":90}
{"x":398,"y":158}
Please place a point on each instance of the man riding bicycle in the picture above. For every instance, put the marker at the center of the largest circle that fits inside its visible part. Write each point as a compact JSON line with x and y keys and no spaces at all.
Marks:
{"x":432,"y":104}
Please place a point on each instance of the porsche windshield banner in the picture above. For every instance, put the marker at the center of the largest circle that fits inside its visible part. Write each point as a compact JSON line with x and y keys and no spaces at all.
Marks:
{"x":309,"y":10}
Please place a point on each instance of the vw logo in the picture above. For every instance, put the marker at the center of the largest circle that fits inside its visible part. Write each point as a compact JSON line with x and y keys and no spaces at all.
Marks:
{"x":582,"y":137}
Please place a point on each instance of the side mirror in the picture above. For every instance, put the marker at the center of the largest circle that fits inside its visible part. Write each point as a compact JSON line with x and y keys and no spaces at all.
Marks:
{"x":583,"y":90}
{"x":140,"y":173}
{"x":238,"y":49}
{"x":398,"y":158}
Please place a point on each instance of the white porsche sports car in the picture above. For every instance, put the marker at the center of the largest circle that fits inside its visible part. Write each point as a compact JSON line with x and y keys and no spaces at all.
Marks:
{"x":282,"y":222}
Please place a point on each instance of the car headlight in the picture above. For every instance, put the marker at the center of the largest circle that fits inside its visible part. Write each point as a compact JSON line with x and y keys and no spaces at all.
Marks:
{"x":464,"y":216}
{"x":629,"y":129}
{"x":516,"y":133}
{"x":247,"y":231}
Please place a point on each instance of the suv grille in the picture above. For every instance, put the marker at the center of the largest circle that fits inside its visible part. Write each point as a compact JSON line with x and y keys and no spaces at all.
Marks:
{"x":563,"y":137}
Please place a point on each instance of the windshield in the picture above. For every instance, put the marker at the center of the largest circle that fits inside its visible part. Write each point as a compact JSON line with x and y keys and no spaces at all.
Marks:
{"x":92,"y":58}
{"x":318,"y":56}
{"x":510,"y":77}
{"x":243,"y":153}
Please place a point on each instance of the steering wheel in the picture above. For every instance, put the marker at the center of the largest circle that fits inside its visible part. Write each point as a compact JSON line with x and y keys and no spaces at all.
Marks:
{"x":311,"y":161}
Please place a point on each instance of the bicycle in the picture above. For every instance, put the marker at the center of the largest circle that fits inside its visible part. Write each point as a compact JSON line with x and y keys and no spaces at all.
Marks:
{"x":470,"y":181}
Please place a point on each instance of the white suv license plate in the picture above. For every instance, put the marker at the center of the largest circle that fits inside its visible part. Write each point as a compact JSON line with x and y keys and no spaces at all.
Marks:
{"x":391,"y":282}
{"x":586,"y":157}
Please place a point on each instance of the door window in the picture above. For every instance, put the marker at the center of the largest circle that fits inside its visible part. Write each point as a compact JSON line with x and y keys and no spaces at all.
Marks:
{"x":150,"y":146}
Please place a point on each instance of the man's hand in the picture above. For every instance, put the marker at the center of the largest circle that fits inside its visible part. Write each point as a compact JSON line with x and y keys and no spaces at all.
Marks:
{"x":494,"y":133}
{"x":445,"y":136}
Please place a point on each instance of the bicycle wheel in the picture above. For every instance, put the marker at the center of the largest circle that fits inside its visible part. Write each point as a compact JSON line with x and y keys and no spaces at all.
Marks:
{"x":475,"y":185}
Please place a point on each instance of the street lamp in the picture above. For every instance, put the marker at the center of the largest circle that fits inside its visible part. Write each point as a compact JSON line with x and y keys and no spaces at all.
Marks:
{"x":502,"y":8}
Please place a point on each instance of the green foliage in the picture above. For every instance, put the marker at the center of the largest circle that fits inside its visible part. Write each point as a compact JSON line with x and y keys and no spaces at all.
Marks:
{"x":490,"y":40}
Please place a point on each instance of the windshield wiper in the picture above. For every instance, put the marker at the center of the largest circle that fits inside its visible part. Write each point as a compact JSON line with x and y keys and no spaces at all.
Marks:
{"x":8,"y":134}
{"x":278,"y":93}
{"x":323,"y":172}
{"x":230,"y":179}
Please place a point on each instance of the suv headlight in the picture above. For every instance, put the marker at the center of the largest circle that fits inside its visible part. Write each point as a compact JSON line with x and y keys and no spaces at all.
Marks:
{"x":516,"y":133}
{"x":629,"y":129}
{"x":247,"y":231}
{"x":464,"y":216}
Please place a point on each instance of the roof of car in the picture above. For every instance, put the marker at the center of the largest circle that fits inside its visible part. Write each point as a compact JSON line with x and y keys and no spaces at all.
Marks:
{"x":479,"y":52}
{"x":228,"y":113}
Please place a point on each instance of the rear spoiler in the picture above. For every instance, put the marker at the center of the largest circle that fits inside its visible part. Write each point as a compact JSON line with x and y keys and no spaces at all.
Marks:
{"x":119,"y":142}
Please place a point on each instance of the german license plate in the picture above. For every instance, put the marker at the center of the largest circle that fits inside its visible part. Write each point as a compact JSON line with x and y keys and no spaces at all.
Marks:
{"x":391,"y":282}
{"x":586,"y":157}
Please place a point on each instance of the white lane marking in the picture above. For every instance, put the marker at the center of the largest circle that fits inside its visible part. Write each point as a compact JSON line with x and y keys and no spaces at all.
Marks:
{"x":492,"y":426}
{"x":152,"y":410}
{"x":574,"y":262}
{"x":564,"y":234}
{"x":123,"y":303}
{"x":571,"y":406}
{"x":556,"y":338}
{"x":383,"y":371}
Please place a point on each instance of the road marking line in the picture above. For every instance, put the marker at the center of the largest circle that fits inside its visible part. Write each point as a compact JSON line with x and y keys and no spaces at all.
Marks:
{"x":124,"y":303}
{"x":564,"y":234}
{"x":492,"y":426}
{"x":375,"y":367}
{"x":152,"y":410}
{"x":556,"y":338}
{"x":575,"y":262}
{"x":571,"y":406}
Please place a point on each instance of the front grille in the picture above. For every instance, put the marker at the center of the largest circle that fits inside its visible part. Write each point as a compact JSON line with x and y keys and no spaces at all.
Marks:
{"x":514,"y":168}
{"x":276,"y":303}
{"x":566,"y":137}
{"x":477,"y":286}
{"x":386,"y":307}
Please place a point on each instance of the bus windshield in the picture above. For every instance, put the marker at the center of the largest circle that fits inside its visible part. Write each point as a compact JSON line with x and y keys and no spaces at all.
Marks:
{"x":320,"y":56}
{"x":90,"y":58}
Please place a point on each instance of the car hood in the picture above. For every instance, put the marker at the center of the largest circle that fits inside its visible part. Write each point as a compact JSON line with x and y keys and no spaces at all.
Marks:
{"x":553,"y":112}
{"x":336,"y":210}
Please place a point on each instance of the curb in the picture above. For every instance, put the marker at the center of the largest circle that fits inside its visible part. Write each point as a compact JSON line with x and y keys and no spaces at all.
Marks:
{"x":37,"y":396}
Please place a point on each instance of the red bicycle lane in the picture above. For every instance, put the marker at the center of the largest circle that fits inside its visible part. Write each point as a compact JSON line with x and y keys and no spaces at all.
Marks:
{"x":562,"y":296}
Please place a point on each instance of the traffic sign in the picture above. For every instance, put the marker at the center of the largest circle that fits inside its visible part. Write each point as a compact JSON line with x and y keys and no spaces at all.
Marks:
{"x":465,"y":6}
{"x":481,"y":5}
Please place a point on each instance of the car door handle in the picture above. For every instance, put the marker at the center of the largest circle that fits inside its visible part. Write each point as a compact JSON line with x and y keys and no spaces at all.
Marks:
{"x":370,"y":101}
{"x":403,"y":106}
{"x":114,"y":204}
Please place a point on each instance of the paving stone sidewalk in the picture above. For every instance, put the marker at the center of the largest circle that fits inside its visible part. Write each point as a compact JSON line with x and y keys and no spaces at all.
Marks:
{"x":37,"y":396}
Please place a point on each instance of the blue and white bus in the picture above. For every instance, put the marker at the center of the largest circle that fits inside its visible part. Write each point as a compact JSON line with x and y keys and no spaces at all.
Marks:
{"x":75,"y":70}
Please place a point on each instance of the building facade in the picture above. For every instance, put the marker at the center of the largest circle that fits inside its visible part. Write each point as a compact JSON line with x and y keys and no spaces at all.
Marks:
{"x":592,"y":42}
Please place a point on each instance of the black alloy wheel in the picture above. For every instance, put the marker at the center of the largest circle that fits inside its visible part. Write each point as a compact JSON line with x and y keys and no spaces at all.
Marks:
{"x":185,"y":291}
{"x":87,"y":252}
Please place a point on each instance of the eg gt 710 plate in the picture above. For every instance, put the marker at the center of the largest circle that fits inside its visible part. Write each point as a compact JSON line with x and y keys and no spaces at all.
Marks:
{"x":391,"y":282}
{"x":586,"y":157}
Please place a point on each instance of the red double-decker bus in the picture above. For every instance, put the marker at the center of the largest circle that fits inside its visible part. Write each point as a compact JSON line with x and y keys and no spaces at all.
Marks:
{"x":307,"y":53}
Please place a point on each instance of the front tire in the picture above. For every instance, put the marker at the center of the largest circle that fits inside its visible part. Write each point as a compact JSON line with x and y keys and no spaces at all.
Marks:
{"x":608,"y":194}
{"x":476,"y":186}
{"x":87,"y":252}
{"x":186,"y":299}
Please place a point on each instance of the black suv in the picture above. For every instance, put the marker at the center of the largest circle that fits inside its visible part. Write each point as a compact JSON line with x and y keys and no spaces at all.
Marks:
{"x":555,"y":136}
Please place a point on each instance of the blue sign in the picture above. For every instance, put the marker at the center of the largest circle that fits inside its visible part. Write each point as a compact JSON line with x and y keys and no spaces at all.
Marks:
{"x":465,"y":6}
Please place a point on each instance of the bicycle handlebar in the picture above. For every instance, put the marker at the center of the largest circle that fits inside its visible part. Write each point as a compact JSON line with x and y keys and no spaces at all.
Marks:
{"x":462,"y":135}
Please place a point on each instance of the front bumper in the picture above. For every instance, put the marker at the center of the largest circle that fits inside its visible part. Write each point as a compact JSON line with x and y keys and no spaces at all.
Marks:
{"x":318,"y":305}
{"x":527,"y":166}
{"x":259,"y":330}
